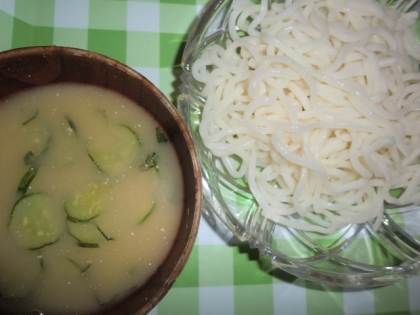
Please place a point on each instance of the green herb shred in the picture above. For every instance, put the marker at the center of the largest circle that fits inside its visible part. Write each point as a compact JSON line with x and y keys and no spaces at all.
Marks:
{"x":160,"y":136}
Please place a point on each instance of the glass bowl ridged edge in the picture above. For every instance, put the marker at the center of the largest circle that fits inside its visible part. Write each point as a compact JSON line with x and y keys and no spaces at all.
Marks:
{"x":208,"y":29}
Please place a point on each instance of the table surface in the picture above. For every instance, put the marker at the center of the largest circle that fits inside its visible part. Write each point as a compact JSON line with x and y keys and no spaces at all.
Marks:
{"x":222,"y":276}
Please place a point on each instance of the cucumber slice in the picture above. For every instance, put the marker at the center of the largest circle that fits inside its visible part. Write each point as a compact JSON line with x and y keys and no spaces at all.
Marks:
{"x":87,"y":203}
{"x":35,"y":222}
{"x":85,"y":232}
{"x":135,"y":139}
{"x":117,"y":155}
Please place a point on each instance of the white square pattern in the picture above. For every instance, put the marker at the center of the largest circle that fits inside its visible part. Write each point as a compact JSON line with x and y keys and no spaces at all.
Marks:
{"x":284,"y":293}
{"x":143,"y":16}
{"x":8,"y":6}
{"x":358,"y":301}
{"x":217,"y":300}
{"x":414,"y":289}
{"x":72,"y":14}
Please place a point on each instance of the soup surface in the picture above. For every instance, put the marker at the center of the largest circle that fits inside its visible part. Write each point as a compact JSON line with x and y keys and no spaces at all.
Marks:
{"x":91,"y":198}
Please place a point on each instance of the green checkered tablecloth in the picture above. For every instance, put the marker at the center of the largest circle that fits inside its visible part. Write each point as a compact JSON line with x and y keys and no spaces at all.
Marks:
{"x":223,"y":276}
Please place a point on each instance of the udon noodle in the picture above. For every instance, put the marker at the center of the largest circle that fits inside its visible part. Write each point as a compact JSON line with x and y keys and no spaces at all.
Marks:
{"x":317,"y":105}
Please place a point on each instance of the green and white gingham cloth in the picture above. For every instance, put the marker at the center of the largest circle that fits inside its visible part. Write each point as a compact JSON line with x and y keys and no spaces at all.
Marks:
{"x":222,"y":276}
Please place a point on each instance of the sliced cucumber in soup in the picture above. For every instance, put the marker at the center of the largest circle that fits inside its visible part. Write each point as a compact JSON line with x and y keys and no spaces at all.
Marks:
{"x":85,"y":232}
{"x":87,"y":203}
{"x":35,"y":222}
{"x":117,"y":155}
{"x":135,"y":139}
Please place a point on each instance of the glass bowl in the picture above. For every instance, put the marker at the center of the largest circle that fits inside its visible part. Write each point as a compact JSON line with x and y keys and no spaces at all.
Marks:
{"x":356,"y":255}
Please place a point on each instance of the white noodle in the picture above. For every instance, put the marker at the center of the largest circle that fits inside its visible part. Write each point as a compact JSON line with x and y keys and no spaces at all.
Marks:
{"x":320,"y":104}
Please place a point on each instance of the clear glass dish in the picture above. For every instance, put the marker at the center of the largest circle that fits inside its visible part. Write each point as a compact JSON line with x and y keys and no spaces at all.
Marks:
{"x":353,"y":256}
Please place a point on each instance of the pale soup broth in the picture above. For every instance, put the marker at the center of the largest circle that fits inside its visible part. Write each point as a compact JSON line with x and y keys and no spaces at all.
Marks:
{"x":107,"y":195}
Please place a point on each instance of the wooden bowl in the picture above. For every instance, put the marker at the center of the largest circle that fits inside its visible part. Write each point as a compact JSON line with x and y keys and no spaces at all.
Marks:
{"x":34,"y":66}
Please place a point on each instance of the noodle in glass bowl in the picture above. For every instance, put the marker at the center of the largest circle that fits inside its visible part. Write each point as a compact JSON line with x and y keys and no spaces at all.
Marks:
{"x":305,"y":117}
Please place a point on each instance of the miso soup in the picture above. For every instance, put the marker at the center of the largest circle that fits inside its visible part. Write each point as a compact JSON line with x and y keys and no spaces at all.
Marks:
{"x":91,"y":198}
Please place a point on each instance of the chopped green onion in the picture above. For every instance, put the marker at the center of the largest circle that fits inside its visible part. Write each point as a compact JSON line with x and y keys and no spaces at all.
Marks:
{"x":41,"y":262}
{"x":30,"y":119}
{"x":102,"y":112}
{"x":29,"y":157}
{"x":96,"y":163}
{"x":148,"y":213}
{"x":82,"y":269}
{"x":27,"y":179}
{"x":71,"y":124}
{"x":149,"y":163}
{"x":108,"y":238}
{"x":160,"y":136}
